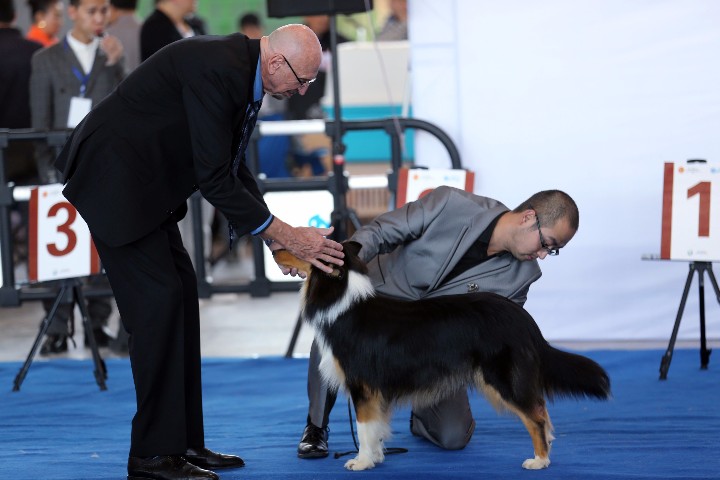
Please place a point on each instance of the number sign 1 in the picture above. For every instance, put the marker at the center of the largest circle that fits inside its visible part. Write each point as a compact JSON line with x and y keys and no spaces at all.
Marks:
{"x":60,"y":243}
{"x":691,"y":212}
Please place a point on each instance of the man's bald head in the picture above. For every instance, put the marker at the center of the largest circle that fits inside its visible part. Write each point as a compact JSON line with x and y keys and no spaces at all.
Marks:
{"x":290,"y":60}
{"x":300,"y":46}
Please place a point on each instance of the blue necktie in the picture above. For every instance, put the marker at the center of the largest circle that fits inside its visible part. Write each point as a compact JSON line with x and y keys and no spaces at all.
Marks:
{"x":247,"y":130}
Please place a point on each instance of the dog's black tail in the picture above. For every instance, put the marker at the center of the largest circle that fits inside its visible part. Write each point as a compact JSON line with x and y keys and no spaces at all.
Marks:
{"x":570,"y":375}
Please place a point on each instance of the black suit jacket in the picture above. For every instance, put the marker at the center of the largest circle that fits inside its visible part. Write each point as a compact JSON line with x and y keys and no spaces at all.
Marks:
{"x":171,"y":127}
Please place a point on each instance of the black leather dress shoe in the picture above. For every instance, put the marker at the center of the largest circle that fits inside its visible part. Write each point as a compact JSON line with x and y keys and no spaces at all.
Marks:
{"x":167,"y":467}
{"x":202,"y":457}
{"x":314,"y":442}
{"x":54,"y":344}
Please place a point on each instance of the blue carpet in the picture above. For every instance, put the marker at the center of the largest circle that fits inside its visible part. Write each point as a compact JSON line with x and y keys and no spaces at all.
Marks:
{"x":61,"y":426}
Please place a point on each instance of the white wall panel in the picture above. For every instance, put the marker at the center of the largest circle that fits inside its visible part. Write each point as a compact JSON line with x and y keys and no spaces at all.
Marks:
{"x":590,"y":97}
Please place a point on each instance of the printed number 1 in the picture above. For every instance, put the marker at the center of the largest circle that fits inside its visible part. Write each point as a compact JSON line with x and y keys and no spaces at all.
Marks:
{"x":702,"y":189}
{"x":64,"y":228}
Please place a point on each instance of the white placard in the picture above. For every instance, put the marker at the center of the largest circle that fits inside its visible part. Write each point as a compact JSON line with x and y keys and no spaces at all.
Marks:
{"x":79,"y":108}
{"x":414,"y":183}
{"x":691,"y":212}
{"x":299,"y":209}
{"x":60,"y":243}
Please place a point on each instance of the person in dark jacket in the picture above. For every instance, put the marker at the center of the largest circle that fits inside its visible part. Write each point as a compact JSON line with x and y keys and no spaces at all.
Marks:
{"x":177,"y":124}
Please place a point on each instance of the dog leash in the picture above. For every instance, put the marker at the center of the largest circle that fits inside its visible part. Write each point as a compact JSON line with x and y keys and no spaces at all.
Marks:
{"x":388,"y":451}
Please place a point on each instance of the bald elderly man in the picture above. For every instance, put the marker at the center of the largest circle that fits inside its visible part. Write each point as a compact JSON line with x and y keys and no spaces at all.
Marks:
{"x":180,"y":123}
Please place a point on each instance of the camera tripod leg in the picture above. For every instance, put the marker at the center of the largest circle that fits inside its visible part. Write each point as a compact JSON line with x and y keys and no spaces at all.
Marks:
{"x":100,"y":368}
{"x":704,"y":351}
{"x":44,"y":325}
{"x":667,"y":358}
{"x":293,"y":340}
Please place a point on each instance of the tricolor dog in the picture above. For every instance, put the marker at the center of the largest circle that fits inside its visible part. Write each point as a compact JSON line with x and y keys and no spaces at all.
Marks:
{"x":381,"y":351}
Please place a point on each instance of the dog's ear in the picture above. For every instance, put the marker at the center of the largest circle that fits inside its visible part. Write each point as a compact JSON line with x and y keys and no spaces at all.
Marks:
{"x":352,"y":247}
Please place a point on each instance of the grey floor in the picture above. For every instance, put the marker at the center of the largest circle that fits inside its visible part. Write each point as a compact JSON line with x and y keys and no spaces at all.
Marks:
{"x":232,"y":325}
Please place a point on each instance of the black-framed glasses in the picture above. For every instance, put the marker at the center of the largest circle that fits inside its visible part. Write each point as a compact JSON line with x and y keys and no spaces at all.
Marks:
{"x":301,"y":81}
{"x":550,"y":251}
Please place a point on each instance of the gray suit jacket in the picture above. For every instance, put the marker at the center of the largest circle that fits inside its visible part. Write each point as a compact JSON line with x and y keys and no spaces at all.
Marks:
{"x":53,"y":84}
{"x":434,"y":233}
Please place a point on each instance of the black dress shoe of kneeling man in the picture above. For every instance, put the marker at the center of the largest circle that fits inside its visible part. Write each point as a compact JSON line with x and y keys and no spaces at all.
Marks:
{"x":204,"y":458}
{"x":166,"y":467}
{"x":314,"y":442}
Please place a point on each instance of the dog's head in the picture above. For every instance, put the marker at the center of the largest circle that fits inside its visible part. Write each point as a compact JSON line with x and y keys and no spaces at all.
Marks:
{"x":323,"y":290}
{"x":351,"y":262}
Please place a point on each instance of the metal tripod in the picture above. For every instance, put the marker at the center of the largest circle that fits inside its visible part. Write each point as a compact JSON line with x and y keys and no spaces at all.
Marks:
{"x":700,"y":268}
{"x":73,"y":288}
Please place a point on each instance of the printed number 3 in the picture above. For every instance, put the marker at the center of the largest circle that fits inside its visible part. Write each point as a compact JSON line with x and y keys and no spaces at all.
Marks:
{"x":64,"y":229}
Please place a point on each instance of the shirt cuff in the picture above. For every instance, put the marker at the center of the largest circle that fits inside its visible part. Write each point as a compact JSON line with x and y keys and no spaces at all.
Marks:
{"x":262,"y":227}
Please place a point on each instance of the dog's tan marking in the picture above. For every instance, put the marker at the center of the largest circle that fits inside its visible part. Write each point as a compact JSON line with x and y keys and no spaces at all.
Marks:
{"x":539,"y":427}
{"x":537,"y":422}
{"x":373,"y":425}
{"x":288,"y":260}
{"x":370,"y":407}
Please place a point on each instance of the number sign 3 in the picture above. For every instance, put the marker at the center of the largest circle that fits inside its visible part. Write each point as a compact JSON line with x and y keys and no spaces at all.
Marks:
{"x":691,"y":212}
{"x":60,"y":243}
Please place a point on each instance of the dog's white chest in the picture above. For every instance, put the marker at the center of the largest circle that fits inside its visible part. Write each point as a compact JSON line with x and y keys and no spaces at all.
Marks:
{"x":330,"y":369}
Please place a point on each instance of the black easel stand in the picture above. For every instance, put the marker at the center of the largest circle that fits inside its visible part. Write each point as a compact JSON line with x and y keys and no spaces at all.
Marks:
{"x":700,"y":268}
{"x":71,"y":287}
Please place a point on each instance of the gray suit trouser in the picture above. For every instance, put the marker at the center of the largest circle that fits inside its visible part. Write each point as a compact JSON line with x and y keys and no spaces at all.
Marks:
{"x":448,"y":424}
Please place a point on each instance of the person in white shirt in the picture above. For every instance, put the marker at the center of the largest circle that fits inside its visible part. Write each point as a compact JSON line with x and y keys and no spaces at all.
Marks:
{"x":66,"y":81}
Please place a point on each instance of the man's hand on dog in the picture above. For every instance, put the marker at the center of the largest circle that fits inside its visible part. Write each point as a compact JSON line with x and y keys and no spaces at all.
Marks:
{"x":307,"y":243}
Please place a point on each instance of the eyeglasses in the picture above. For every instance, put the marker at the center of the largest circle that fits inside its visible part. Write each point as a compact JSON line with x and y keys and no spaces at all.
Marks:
{"x":550,"y":251}
{"x":301,"y":81}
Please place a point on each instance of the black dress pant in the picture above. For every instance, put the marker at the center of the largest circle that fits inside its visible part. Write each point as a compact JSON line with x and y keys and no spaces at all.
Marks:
{"x":156,"y":293}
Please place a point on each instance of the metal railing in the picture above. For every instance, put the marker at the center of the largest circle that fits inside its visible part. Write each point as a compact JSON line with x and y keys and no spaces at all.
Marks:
{"x":12,"y":294}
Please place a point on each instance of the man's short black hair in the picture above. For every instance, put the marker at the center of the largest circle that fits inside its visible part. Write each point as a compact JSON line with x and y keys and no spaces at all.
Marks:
{"x":249,"y":20}
{"x":7,"y":11}
{"x":124,"y":4}
{"x":40,"y":5}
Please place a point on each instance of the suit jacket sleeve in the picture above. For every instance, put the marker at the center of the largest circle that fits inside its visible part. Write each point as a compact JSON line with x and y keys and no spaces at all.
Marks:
{"x":405,"y":224}
{"x":211,"y":105}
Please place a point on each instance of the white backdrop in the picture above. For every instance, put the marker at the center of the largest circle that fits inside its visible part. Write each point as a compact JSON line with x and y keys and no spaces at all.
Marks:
{"x":590,"y":97}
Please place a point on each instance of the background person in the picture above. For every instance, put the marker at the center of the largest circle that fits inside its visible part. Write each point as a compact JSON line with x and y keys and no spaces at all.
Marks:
{"x":16,"y":53}
{"x":395,"y":27}
{"x":165,"y":25}
{"x":249,"y":24}
{"x":67,"y":80}
{"x":124,"y":24}
{"x":19,"y":159}
{"x":478,"y":245}
{"x":130,"y":178}
{"x":47,"y":21}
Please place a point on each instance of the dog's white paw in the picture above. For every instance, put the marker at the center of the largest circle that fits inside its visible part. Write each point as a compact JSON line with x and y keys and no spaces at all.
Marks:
{"x":361,"y":462}
{"x":536,"y":463}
